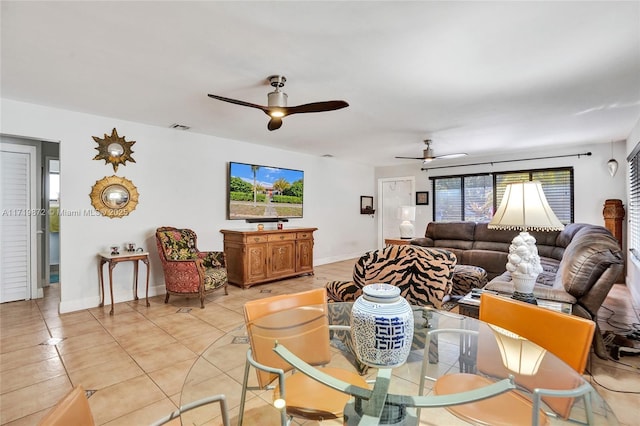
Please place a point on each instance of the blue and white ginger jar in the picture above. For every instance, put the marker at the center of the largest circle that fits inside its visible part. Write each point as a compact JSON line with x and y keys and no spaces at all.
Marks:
{"x":382,"y":326}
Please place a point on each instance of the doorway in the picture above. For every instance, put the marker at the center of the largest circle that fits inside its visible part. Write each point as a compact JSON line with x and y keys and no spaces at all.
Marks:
{"x":25,"y":216}
{"x":51,"y":201}
{"x":393,"y":193}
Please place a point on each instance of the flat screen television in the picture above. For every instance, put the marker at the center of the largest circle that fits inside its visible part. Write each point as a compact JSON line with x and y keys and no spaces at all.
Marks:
{"x":256,"y":193}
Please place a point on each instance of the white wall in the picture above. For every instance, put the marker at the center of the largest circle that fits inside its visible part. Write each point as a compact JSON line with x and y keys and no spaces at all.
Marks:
{"x":633,"y":265}
{"x":181,"y":177}
{"x":593,"y":184}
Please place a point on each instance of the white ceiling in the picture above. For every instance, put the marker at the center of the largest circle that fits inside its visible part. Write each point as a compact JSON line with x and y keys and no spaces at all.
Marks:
{"x":476,"y":77}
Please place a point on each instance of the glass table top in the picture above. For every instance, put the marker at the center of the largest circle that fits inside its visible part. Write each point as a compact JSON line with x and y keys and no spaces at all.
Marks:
{"x":469,"y":346}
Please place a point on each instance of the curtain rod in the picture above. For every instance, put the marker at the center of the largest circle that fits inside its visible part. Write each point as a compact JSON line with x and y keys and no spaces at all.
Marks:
{"x":507,"y":161}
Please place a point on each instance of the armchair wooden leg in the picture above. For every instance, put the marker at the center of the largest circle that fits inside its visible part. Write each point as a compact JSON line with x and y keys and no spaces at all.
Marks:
{"x":166,"y":298}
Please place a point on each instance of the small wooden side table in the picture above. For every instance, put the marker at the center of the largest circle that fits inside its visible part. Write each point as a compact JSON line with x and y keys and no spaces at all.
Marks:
{"x":113,"y":260}
{"x":397,"y":241}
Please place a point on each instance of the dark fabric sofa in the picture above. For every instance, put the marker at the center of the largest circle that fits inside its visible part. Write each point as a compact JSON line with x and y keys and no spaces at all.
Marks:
{"x":580,"y":263}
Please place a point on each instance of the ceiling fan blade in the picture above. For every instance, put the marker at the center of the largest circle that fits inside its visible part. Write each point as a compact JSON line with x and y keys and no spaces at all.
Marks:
{"x":242,"y":103}
{"x":411,"y":158}
{"x":275,"y":123}
{"x":461,"y":154}
{"x":316,"y":107}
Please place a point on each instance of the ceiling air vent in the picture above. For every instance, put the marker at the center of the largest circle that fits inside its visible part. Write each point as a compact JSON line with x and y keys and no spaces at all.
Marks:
{"x":179,"y":126}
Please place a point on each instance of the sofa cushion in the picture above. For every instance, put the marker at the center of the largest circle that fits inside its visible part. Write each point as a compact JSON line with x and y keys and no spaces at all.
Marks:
{"x":585,"y":260}
{"x":483,"y":233}
{"x":463,"y":231}
{"x":491,"y":261}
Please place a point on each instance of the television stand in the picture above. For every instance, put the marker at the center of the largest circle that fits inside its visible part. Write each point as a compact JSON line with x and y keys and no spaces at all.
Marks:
{"x":256,"y":257}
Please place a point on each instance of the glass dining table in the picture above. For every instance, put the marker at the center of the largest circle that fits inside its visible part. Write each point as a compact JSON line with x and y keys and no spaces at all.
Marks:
{"x":455,"y":344}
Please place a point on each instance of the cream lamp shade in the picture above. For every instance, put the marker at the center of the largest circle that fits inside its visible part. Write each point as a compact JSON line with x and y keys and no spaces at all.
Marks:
{"x":518,"y":355}
{"x":407,"y":214}
{"x":524,"y":207}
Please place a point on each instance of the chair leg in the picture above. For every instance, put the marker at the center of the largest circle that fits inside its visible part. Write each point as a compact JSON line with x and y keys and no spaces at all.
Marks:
{"x":245,"y":383}
{"x":166,"y":298}
{"x":202,"y":302}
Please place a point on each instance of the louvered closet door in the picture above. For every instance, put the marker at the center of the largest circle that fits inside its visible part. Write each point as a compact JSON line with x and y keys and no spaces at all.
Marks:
{"x":17,"y":222}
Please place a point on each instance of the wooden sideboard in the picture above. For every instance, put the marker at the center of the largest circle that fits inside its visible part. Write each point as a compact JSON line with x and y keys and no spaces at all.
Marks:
{"x":255,"y":257}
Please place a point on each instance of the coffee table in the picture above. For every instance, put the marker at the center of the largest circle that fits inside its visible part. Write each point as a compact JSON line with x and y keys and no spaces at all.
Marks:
{"x":470,"y":306}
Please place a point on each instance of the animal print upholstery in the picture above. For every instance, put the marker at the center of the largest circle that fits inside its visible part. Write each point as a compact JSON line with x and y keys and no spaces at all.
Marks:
{"x":424,"y":275}
{"x":467,"y":277}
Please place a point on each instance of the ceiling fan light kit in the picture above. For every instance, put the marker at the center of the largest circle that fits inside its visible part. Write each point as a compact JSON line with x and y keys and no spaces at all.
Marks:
{"x":277,"y":104}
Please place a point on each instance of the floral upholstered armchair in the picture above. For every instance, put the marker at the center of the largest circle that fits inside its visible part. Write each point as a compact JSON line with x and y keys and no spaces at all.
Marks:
{"x":188,"y":271}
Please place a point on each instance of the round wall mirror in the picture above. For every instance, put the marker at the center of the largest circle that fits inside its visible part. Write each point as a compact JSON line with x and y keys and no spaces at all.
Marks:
{"x":114,"y":196}
{"x":114,"y":149}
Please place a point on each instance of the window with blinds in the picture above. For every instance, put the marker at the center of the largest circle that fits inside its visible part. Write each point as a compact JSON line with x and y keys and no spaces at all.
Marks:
{"x":476,"y":197}
{"x":634,"y":201}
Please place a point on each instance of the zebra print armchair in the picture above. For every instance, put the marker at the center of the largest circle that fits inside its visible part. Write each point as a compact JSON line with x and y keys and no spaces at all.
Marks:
{"x":424,"y":274}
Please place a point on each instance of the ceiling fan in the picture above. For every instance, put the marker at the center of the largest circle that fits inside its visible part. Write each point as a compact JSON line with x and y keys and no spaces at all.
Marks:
{"x":427,"y":154}
{"x":277,"y":107}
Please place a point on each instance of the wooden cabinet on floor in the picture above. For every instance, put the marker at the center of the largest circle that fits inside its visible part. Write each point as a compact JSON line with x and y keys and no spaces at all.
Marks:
{"x":255,"y":257}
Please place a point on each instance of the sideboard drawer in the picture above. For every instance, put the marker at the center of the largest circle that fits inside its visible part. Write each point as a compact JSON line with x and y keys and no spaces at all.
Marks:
{"x":282,"y":237}
{"x":257,"y":238}
{"x":304,"y":235}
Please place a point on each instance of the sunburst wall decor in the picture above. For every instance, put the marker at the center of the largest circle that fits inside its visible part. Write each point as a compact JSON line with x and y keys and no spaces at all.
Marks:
{"x":114,"y":149}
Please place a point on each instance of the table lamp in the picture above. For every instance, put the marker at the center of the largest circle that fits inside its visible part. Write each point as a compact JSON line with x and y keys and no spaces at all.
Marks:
{"x":524,"y":207}
{"x":407,"y":215}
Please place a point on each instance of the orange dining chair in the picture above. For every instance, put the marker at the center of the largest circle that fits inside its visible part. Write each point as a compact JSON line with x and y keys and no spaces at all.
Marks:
{"x":566,"y":336}
{"x":302,"y":326}
{"x":72,"y":409}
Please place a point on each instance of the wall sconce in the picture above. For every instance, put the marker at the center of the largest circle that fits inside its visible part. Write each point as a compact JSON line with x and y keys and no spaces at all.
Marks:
{"x":612,"y":164}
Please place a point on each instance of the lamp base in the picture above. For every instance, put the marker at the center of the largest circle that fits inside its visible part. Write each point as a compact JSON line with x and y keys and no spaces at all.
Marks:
{"x":406,"y":230}
{"x":524,"y":297}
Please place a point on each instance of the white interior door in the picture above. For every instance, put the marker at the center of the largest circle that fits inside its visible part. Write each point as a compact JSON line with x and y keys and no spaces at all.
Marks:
{"x":18,"y":222}
{"x":393,"y":193}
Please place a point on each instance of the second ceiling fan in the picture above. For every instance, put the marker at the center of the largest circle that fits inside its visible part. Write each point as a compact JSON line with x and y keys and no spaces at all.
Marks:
{"x":428,"y":155}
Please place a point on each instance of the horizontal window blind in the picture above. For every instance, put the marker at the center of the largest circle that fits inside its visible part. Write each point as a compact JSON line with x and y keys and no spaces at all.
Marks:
{"x":634,"y":202}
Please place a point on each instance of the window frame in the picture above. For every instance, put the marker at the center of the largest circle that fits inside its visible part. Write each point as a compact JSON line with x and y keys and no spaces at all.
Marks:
{"x":494,"y":177}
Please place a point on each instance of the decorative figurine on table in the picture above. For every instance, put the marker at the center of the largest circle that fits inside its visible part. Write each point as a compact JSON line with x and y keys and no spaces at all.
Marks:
{"x":114,"y":250}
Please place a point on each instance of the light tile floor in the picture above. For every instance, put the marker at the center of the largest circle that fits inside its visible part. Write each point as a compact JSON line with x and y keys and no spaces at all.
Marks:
{"x":137,"y":360}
